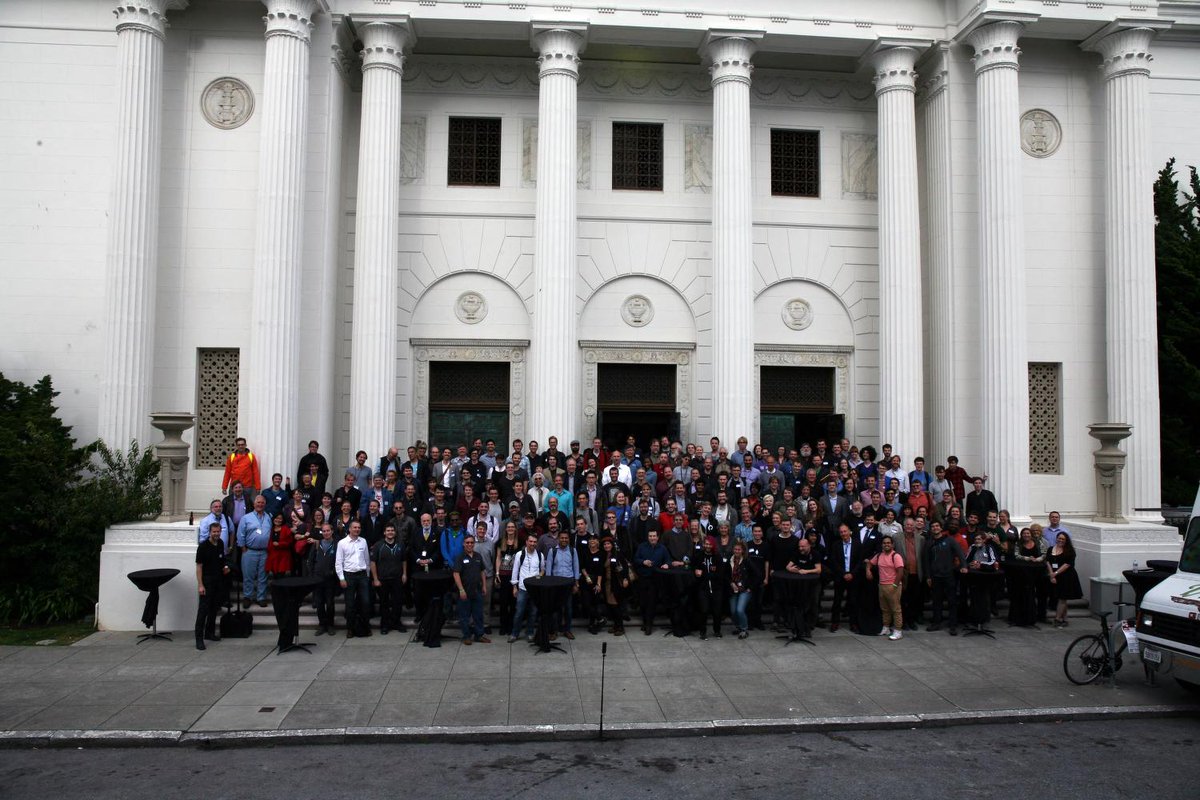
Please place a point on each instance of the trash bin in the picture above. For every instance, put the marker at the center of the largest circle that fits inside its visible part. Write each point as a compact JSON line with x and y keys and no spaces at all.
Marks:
{"x":1106,"y":590}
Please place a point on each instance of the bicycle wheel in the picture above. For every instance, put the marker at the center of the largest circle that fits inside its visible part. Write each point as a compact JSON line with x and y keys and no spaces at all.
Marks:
{"x":1120,"y":655}
{"x":1085,"y":659}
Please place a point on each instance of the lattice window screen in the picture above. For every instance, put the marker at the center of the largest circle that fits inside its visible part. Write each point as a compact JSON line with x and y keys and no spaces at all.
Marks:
{"x":1045,"y":419}
{"x":637,"y":156}
{"x":795,"y":163}
{"x":473,"y":158}
{"x":797,"y":389}
{"x":636,"y":386}
{"x":217,"y":373}
{"x":468,"y":384}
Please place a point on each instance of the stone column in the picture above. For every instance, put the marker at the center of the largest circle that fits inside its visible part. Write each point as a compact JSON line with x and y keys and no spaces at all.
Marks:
{"x":1004,"y":401}
{"x":939,"y":225}
{"x":272,"y":385}
{"x":132,"y":253}
{"x":1129,"y":280}
{"x":734,"y":403}
{"x":901,"y":377}
{"x":374,"y":348}
{"x":553,"y":352}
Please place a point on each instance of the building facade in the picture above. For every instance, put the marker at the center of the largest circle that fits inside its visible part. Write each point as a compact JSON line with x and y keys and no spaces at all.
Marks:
{"x":367,"y":222}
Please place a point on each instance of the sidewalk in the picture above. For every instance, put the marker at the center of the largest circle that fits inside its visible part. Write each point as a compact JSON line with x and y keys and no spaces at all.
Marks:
{"x":107,"y":682}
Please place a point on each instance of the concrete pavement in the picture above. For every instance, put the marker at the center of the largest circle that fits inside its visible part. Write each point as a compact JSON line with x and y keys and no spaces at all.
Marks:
{"x":389,"y":686}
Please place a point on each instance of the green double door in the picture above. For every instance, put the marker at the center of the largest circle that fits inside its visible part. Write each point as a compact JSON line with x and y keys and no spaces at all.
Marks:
{"x":468,"y":400}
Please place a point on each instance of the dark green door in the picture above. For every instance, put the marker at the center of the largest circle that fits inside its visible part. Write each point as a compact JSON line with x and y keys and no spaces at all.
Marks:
{"x":468,"y":400}
{"x":463,"y":427}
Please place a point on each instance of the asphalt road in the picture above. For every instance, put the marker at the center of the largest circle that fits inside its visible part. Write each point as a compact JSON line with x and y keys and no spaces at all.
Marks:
{"x":1093,"y":760}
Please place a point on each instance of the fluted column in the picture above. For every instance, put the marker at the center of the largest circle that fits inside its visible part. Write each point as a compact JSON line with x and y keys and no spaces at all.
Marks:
{"x":273,"y":391}
{"x":553,"y":353}
{"x":901,"y":378}
{"x":376,"y":227}
{"x":1129,"y":272}
{"x":734,"y":402}
{"x":1004,"y":401}
{"x":935,"y":114}
{"x":132,"y":253}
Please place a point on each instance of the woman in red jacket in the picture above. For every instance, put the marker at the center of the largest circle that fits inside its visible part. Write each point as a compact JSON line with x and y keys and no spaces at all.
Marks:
{"x":279,"y":549}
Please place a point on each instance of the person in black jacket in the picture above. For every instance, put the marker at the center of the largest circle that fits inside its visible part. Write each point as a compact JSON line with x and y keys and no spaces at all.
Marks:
{"x":744,"y":576}
{"x":211,"y":567}
{"x":389,"y":573}
{"x":591,"y":582}
{"x":712,"y":579}
{"x":321,"y":559}
{"x":843,"y":561}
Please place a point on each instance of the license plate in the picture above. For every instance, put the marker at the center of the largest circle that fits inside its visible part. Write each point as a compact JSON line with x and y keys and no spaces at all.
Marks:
{"x":1152,"y":656}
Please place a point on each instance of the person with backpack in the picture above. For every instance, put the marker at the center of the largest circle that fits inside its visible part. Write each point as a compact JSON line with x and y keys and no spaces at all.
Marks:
{"x":891,"y":583}
{"x":241,"y":465}
{"x":527,"y":564}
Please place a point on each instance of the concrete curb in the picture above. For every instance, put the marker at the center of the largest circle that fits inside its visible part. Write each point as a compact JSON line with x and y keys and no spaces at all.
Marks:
{"x":575,"y":732}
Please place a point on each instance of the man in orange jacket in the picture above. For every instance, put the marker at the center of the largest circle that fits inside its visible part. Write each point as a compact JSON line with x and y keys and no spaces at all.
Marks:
{"x":241,"y":465}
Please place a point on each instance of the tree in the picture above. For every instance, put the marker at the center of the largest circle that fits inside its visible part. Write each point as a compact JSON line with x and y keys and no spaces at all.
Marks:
{"x":1177,"y":252}
{"x":58,"y":500}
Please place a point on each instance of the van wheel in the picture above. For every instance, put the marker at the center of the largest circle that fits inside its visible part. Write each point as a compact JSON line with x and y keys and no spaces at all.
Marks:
{"x":1194,"y":688}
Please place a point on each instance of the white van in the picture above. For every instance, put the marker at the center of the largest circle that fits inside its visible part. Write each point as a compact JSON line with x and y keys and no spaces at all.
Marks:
{"x":1168,"y":624}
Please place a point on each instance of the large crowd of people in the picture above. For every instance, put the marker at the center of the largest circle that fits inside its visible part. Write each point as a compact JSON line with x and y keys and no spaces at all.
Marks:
{"x":699,"y":536}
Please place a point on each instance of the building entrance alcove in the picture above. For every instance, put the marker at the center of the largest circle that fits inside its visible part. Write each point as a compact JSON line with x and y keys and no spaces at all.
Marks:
{"x":636,"y":400}
{"x":468,"y":400}
{"x":798,"y":404}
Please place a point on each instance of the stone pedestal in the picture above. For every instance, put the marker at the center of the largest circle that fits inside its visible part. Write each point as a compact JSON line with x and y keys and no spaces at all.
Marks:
{"x":1109,"y":462}
{"x":172,"y":455}
{"x":147,"y":545}
{"x":1105,"y":549}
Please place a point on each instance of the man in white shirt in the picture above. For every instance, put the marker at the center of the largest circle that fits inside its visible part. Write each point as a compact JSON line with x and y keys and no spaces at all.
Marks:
{"x":528,"y":564}
{"x":896,"y":472}
{"x":623,"y":474}
{"x":353,"y":565}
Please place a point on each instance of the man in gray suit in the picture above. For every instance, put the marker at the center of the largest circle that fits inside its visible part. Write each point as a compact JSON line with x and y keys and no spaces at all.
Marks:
{"x":833,"y":509}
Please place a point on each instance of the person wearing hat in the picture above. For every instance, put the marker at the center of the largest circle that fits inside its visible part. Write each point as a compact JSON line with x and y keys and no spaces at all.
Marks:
{"x":452,"y":539}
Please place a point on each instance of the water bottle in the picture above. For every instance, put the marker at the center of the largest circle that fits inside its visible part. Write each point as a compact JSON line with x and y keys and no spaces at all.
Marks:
{"x":1135,"y":566}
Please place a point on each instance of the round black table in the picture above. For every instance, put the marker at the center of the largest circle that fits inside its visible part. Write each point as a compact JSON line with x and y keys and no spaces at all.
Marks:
{"x":429,"y":587}
{"x":1022,"y":581}
{"x":675,"y":583}
{"x":1161,"y":564}
{"x":1143,"y":580}
{"x":792,"y":591}
{"x":148,"y":580}
{"x":287,"y":594}
{"x":980,"y":583}
{"x":867,"y":613}
{"x":548,"y":593}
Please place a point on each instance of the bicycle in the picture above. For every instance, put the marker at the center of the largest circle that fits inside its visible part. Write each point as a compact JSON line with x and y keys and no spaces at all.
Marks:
{"x":1092,"y":655}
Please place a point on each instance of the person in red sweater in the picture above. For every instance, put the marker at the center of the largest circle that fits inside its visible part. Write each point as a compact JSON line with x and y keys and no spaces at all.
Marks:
{"x":241,"y":465}
{"x":957,"y":477}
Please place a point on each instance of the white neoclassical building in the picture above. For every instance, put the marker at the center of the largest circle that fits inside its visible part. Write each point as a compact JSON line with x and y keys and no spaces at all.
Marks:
{"x":926,"y":222}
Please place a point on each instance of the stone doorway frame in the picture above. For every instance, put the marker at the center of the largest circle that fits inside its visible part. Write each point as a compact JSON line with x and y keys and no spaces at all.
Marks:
{"x":681,"y":355}
{"x":514,"y":351}
{"x":782,"y":355}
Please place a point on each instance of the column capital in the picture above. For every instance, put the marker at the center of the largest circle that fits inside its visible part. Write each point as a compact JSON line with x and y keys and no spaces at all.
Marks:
{"x":893,"y":65}
{"x":290,"y":18}
{"x":145,"y":15}
{"x":728,"y":54}
{"x":558,"y":45}
{"x":1124,"y":46}
{"x":995,"y":44}
{"x":385,"y":43}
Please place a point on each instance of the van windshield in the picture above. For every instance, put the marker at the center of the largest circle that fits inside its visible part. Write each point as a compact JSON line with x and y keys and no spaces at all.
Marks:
{"x":1189,"y":560}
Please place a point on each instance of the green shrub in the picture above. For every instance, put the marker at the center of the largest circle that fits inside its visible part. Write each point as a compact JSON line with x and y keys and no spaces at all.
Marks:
{"x":59,"y":499}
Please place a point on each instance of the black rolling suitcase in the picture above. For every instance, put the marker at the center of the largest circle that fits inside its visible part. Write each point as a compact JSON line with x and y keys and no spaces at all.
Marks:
{"x":237,"y":624}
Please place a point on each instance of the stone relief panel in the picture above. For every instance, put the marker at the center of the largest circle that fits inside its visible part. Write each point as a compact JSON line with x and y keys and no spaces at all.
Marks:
{"x":470,"y":308}
{"x":227,"y":103}
{"x":681,"y":355}
{"x":1041,"y":133}
{"x":426,"y":350}
{"x":412,"y":151}
{"x":583,"y":154}
{"x":637,"y":311}
{"x":697,"y":158}
{"x":797,"y":314}
{"x":860,"y":166}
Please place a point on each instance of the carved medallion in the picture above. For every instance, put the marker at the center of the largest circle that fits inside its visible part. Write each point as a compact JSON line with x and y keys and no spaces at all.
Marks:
{"x":470,"y":308}
{"x":1040,"y":133}
{"x":227,"y":103}
{"x":637,"y":311}
{"x":797,"y":314}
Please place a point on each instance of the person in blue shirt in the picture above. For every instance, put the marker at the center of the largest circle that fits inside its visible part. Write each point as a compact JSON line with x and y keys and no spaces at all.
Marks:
{"x":650,"y":557}
{"x":452,"y":539}
{"x":216,"y":514}
{"x":277,"y":496}
{"x":253,"y":534}
{"x":563,"y":562}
